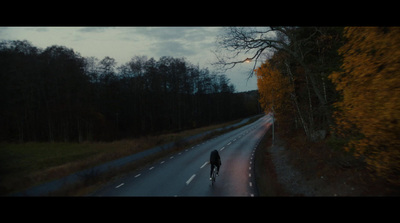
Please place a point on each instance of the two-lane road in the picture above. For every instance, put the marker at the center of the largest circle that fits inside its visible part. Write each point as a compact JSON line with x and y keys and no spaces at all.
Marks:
{"x":187,"y":173}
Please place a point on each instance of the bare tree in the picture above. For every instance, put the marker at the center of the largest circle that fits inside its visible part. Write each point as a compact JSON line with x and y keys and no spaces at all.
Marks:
{"x":239,"y":45}
{"x":236,"y":41}
{"x":254,"y":41}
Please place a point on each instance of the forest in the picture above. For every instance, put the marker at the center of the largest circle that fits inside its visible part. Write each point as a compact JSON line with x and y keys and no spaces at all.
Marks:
{"x":336,"y":83}
{"x":55,"y":94}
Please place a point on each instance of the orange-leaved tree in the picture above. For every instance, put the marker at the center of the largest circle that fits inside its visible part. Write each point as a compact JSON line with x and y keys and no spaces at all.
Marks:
{"x":369,"y":114}
{"x":274,"y":89}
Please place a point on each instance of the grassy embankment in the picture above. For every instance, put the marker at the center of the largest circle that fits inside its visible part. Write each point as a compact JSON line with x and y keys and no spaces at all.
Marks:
{"x":27,"y":164}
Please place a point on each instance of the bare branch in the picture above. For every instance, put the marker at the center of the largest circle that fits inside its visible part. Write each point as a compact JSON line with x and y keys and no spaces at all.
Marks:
{"x":237,"y":42}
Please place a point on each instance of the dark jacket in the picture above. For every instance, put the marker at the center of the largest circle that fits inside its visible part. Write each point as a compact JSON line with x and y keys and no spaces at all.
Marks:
{"x":215,"y":158}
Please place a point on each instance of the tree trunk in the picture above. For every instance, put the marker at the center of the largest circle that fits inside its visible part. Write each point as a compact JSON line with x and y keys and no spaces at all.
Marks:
{"x":294,"y":99}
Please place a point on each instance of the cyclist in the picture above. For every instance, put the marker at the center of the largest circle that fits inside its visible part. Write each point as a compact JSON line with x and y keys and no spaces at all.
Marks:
{"x":215,"y":160}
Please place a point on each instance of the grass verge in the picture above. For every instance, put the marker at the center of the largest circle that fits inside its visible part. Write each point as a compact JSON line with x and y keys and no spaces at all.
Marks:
{"x":29,"y":164}
{"x":91,"y":183}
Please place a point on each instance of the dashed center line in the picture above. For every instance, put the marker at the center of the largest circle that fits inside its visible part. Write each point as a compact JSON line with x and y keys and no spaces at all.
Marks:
{"x":190,"y":179}
{"x":119,"y":185}
{"x":202,"y":166}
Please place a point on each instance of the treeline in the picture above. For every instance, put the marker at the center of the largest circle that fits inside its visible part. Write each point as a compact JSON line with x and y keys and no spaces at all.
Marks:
{"x":294,"y":81}
{"x":57,"y":95}
{"x":342,"y":82}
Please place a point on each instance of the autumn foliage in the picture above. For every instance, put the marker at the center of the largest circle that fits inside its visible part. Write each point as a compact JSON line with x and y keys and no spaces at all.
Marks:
{"x":342,"y":84}
{"x":369,"y":113}
{"x":274,"y":90}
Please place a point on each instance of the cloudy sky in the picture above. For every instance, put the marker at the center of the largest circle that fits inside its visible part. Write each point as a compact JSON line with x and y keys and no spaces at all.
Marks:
{"x":195,"y":44}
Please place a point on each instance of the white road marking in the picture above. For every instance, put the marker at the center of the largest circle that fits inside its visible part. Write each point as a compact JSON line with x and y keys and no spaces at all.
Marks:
{"x":190,"y":179}
{"x":194,"y":175}
{"x":119,"y":185}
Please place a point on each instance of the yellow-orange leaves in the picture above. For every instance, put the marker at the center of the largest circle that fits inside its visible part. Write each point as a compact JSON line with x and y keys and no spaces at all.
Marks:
{"x":370,"y":84}
{"x":274,"y":89}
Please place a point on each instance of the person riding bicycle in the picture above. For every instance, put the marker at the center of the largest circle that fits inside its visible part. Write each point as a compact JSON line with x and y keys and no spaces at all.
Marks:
{"x":215,"y":160}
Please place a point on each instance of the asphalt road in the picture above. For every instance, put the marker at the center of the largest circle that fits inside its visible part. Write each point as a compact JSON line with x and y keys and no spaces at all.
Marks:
{"x":187,"y":173}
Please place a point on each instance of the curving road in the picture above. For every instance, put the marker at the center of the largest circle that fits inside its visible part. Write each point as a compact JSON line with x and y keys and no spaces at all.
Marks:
{"x":187,"y":173}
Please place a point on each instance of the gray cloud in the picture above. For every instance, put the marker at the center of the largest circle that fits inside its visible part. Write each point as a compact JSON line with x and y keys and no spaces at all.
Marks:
{"x":175,"y":33}
{"x":162,"y":33}
{"x":172,"y":48}
{"x":189,"y":42}
{"x":92,"y":29}
{"x":122,"y":43}
{"x":42,"y":29}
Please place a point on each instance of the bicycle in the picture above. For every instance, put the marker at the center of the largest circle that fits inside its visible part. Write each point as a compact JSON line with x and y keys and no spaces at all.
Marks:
{"x":213,"y":175}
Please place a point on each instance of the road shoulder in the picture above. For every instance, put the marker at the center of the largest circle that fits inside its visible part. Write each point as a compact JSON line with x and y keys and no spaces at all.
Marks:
{"x":293,"y":167}
{"x":267,"y":183}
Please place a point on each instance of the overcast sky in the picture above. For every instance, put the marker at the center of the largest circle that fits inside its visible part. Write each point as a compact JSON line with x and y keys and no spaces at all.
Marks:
{"x":195,"y":44}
